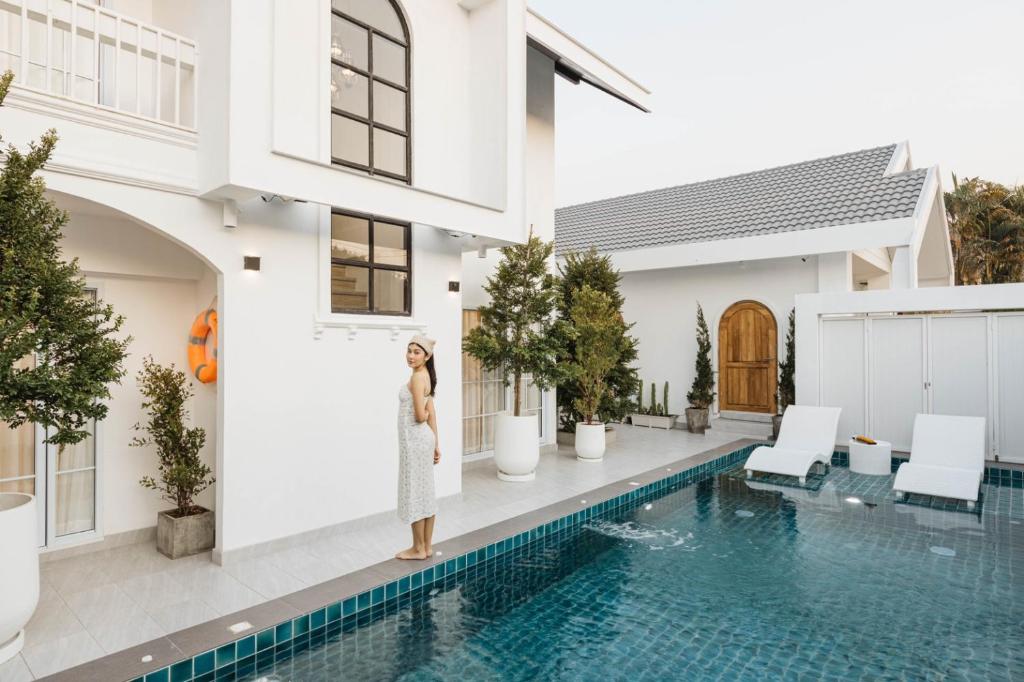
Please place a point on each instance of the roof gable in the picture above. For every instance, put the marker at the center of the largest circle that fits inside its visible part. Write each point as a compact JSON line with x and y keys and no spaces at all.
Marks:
{"x":837,"y":190}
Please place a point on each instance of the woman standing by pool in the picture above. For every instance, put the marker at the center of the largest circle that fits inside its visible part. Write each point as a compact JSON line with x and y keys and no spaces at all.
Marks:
{"x":417,"y":448}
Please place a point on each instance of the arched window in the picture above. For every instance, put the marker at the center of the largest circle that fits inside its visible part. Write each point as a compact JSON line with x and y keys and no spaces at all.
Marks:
{"x":370,"y":87}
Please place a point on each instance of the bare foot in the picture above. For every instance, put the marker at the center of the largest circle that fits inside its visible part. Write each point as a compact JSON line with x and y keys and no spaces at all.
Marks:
{"x":411,"y":553}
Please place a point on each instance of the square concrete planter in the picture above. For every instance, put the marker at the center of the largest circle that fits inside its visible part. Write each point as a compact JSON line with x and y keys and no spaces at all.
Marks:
{"x":653,"y":421}
{"x":183,"y":536}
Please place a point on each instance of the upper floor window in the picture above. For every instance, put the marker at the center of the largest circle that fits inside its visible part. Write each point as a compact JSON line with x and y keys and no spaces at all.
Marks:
{"x":370,"y":87}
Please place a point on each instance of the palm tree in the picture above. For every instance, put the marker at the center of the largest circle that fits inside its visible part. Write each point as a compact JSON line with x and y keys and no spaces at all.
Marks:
{"x":986,"y":231}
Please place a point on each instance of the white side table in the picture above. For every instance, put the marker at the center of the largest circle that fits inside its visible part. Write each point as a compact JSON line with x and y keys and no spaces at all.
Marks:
{"x":871,"y":459}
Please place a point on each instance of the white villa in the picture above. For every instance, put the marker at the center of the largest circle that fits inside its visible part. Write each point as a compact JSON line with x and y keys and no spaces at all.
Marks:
{"x":323,"y":174}
{"x":333,"y":177}
{"x":745,"y":246}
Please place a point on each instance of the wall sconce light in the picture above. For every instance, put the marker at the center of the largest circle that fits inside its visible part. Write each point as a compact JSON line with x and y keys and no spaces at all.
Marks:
{"x":453,"y":285}
{"x":251,"y":263}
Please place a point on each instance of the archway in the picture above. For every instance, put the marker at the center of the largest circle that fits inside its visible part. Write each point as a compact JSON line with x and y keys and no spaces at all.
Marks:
{"x":747,"y":358}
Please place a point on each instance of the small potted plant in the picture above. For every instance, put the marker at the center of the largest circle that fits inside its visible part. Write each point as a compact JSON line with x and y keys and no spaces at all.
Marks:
{"x":597,"y":332}
{"x":702,"y":393}
{"x":786,"y":393}
{"x":188,"y":528}
{"x":656,"y":415}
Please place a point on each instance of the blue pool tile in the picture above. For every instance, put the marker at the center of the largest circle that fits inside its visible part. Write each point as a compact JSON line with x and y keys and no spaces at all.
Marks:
{"x":283,"y":633}
{"x":161,"y":675}
{"x":300,"y":626}
{"x":245,"y":647}
{"x":391,"y":590}
{"x":334,"y":610}
{"x":204,"y":663}
{"x":264,"y":639}
{"x":363,"y":601}
{"x":205,"y":677}
{"x":377,"y":595}
{"x":317,"y":619}
{"x":225,"y":655}
{"x":417,"y":580}
{"x":403,"y":585}
{"x":182,"y":671}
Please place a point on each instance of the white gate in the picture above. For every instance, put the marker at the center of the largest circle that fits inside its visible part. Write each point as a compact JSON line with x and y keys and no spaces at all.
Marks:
{"x":884,"y":369}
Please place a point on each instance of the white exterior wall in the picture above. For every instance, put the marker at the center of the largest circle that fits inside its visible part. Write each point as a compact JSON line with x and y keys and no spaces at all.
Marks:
{"x":663,"y":306}
{"x":540,"y":195}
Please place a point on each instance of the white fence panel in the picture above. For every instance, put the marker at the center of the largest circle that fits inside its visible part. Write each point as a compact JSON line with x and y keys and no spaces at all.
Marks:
{"x":1009,"y":331}
{"x":896,"y":378}
{"x":959,"y":367}
{"x":844,"y":372}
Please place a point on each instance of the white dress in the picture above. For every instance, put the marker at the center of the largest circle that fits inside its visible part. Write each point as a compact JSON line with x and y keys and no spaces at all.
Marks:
{"x":415,"y":462}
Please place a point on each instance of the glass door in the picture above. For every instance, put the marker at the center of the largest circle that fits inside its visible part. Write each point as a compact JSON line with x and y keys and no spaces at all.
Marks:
{"x":63,"y":479}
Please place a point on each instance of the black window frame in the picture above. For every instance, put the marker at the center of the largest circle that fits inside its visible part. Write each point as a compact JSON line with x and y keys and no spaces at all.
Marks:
{"x":367,"y":73}
{"x":370,"y":265}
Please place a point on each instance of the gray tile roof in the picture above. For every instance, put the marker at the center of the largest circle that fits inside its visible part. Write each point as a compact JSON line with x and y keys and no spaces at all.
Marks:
{"x":837,"y":190}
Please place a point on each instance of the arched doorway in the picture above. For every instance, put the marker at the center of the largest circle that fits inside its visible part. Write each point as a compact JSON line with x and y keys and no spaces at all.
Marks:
{"x":747,"y":358}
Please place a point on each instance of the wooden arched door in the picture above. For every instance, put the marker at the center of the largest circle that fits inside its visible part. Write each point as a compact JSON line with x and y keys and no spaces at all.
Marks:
{"x":747,"y":358}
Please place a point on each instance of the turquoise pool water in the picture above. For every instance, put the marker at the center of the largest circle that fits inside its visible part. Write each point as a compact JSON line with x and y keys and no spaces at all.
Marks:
{"x":714,"y":580}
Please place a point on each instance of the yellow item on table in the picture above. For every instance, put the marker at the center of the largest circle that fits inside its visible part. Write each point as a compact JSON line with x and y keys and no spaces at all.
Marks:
{"x":865,"y":439}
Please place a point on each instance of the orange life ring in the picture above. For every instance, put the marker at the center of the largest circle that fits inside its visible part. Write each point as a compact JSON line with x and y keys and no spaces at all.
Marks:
{"x":203,"y":364}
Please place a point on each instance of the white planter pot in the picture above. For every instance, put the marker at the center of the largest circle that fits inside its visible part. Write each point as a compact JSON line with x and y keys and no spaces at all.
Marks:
{"x":639,"y":420}
{"x":590,"y":442}
{"x":516,"y":447}
{"x":19,"y":570}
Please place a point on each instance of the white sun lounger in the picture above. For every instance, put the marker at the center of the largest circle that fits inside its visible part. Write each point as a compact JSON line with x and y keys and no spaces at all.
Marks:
{"x":947,"y":458}
{"x":807,"y":437}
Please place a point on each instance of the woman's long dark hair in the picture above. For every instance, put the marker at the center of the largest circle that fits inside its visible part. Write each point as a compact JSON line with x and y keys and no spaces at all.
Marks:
{"x":433,"y":374}
{"x":429,"y":364}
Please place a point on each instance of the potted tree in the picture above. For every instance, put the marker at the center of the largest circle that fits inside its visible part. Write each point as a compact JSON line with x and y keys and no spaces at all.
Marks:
{"x":187,"y":529}
{"x":58,"y":355}
{"x":598,"y":334}
{"x":518,"y":335}
{"x":786,"y":394}
{"x":589,"y":268}
{"x":702,"y":392}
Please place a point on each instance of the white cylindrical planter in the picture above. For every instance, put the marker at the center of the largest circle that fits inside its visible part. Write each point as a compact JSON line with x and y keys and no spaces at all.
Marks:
{"x":19,"y":570}
{"x":590,"y":442}
{"x":516,"y":447}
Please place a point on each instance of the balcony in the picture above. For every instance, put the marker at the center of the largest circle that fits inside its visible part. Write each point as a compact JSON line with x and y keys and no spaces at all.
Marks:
{"x":82,"y":54}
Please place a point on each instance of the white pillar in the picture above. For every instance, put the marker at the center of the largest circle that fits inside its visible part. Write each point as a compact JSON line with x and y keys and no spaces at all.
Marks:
{"x":904,"y":269}
{"x":835,"y":271}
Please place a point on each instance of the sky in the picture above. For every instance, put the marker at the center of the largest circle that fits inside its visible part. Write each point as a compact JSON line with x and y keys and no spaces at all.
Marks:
{"x":741,"y":85}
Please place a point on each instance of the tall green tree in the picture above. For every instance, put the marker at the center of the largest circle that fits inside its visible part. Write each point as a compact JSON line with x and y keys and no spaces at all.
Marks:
{"x":598,"y":333}
{"x":986,"y":231}
{"x":787,"y":368}
{"x":587,"y":268}
{"x":58,"y":346}
{"x":702,"y":392}
{"x":518,"y":331}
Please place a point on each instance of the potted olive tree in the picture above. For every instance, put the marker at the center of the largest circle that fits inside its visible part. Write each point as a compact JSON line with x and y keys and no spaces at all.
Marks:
{"x":702,"y":393}
{"x":598,"y":334}
{"x":596,"y":271}
{"x":188,"y":528}
{"x":59,"y":353}
{"x":786,"y":394}
{"x":519,"y":336}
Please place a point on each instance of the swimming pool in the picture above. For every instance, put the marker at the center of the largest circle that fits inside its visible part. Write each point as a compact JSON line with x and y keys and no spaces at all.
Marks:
{"x":698,"y":577}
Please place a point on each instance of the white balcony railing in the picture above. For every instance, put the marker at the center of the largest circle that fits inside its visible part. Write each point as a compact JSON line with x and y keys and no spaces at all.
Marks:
{"x":77,"y":50}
